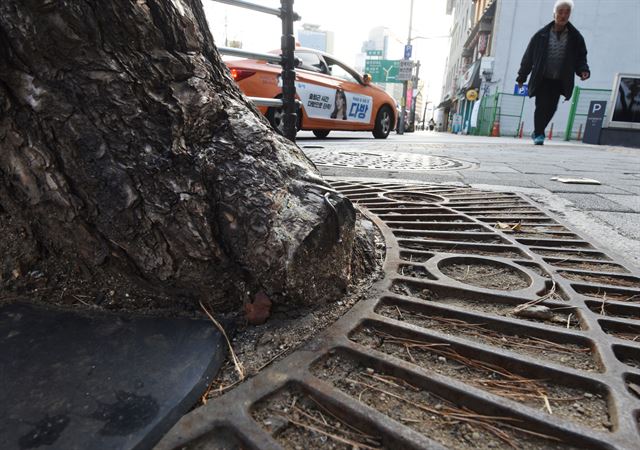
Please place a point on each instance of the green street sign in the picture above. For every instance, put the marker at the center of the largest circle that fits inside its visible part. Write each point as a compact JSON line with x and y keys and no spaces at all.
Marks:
{"x":374,"y":52}
{"x":383,"y":70}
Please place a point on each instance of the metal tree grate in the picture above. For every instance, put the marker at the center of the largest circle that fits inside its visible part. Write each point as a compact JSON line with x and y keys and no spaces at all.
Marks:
{"x":495,"y":327}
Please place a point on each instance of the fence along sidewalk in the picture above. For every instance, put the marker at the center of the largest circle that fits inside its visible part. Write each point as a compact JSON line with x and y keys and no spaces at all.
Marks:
{"x":286,"y":60}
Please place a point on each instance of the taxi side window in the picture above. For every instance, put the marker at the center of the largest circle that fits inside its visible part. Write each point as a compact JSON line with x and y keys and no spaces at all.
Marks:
{"x":339,"y":71}
{"x":311,"y":61}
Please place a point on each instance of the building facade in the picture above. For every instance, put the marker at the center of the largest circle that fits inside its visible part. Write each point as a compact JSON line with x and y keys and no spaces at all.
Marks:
{"x":379,"y":40}
{"x":459,"y":69}
{"x":312,"y":36}
{"x":489,"y":38}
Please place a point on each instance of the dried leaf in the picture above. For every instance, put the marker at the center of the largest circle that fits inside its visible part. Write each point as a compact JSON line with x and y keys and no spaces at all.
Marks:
{"x":536,"y":312}
{"x":508,"y":226}
{"x":259,"y":311}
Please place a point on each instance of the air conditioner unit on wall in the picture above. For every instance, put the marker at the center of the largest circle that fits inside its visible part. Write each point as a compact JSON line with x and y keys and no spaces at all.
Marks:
{"x":486,"y":67}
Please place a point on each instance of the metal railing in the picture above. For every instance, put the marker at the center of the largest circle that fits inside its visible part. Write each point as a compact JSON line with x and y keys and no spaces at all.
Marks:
{"x":580,"y":100}
{"x":502,"y":108}
{"x":286,"y":60}
{"x":231,"y":51}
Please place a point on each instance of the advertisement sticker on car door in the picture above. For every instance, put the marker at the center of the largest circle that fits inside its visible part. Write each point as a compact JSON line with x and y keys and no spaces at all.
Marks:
{"x":321,"y":102}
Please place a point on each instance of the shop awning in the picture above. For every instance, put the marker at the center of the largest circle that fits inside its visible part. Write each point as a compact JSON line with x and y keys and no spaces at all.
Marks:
{"x":471,"y":78}
{"x":445,"y":103}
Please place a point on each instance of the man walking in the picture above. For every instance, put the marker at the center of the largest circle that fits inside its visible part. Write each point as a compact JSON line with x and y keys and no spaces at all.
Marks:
{"x":553,"y":55}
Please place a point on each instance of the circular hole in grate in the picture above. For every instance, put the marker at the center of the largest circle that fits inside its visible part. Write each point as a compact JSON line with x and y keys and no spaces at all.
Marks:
{"x":485,"y":274}
{"x":413,"y":197}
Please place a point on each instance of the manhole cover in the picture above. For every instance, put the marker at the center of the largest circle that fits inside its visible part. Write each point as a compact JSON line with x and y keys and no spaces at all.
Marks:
{"x":434,"y":360}
{"x":385,"y":160}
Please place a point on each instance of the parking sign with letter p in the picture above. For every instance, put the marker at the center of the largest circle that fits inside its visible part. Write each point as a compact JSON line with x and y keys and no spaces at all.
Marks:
{"x":407,"y":51}
{"x":521,"y":90}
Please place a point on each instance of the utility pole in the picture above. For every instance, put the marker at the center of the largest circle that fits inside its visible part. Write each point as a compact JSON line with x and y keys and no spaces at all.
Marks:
{"x":424,"y":114}
{"x":226,"y":32}
{"x":414,"y":86}
{"x":405,"y":83}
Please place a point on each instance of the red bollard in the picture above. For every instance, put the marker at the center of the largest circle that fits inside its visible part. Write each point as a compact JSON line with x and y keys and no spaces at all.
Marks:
{"x":495,"y":131}
{"x":580,"y":133}
{"x":551,"y":132}
{"x":521,"y":130}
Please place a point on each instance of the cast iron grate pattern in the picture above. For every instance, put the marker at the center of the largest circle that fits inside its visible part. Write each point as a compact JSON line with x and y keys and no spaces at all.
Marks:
{"x":384,"y":160}
{"x":495,"y":327}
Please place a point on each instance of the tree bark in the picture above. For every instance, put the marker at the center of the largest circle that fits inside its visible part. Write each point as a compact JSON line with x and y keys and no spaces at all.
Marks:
{"x":129,"y":156}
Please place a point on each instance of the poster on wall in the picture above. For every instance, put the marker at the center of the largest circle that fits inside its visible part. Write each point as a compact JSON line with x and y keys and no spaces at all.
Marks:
{"x":625,"y":101}
{"x":320,"y":102}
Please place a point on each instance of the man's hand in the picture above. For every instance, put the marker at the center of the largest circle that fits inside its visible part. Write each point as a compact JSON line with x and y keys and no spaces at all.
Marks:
{"x":520,"y":80}
{"x":585,"y":76}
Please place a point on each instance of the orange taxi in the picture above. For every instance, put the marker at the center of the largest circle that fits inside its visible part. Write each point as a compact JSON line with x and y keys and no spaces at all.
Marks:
{"x":332,"y":95}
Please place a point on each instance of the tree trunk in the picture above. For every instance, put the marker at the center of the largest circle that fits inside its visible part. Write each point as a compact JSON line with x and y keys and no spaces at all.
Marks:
{"x":131,"y":166}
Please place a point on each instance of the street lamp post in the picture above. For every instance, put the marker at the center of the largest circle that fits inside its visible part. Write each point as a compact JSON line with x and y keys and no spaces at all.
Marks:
{"x":424,"y":113}
{"x":403,"y":106}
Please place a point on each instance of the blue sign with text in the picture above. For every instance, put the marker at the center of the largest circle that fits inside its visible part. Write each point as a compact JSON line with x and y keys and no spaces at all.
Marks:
{"x":524,"y":90}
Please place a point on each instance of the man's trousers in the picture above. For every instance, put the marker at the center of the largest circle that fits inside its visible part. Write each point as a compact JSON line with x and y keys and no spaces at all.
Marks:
{"x":547,"y":96}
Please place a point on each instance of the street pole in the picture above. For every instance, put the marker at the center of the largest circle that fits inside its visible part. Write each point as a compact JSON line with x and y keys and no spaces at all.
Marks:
{"x":288,"y":71}
{"x":414,"y":86}
{"x":405,"y":83}
{"x":424,"y":113}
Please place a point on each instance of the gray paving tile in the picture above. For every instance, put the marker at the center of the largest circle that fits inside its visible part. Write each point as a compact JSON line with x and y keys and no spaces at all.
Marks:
{"x":627,"y":223}
{"x":595,"y":202}
{"x":631,"y":187}
{"x":630,"y":201}
{"x":544,"y":170}
{"x":507,"y":179}
{"x":497,"y":168}
{"x":473,"y":176}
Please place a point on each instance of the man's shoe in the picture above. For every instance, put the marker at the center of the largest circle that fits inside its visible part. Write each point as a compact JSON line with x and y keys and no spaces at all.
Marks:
{"x":538,"y":139}
{"x":534,"y":136}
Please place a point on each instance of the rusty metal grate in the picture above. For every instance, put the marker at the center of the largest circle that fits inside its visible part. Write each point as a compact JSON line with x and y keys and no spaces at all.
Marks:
{"x":446,"y":353}
{"x":384,"y":160}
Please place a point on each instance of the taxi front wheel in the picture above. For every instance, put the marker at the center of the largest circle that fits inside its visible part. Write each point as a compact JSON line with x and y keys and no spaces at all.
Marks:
{"x":382,"y":127}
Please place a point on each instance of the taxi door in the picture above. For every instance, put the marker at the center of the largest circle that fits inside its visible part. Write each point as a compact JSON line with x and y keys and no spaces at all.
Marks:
{"x":331,"y":97}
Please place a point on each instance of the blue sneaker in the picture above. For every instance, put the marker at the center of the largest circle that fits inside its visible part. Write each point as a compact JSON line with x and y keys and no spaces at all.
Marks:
{"x":538,"y":139}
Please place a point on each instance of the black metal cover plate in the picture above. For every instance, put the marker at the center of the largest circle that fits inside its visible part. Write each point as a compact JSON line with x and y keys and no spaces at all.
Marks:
{"x":80,"y":380}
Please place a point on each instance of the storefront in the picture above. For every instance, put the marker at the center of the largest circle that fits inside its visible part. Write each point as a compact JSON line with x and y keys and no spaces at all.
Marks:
{"x":467,"y":96}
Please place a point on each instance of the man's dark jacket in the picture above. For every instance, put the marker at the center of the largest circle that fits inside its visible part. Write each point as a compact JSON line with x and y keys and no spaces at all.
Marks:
{"x":535,"y":58}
